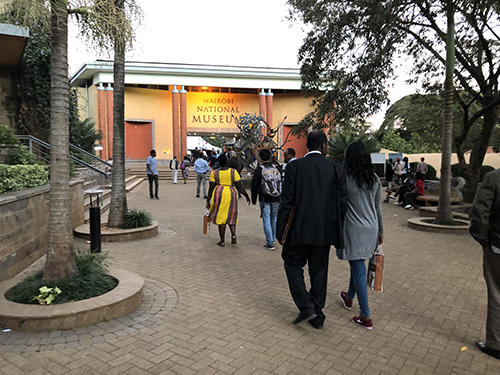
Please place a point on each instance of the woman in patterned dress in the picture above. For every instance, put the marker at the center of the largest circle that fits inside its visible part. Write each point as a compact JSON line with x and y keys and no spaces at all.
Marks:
{"x":223,"y":200}
{"x":185,"y":171}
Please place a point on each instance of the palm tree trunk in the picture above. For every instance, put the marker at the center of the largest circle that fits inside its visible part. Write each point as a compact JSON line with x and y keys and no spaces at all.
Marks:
{"x":60,"y":253}
{"x":118,"y":204}
{"x":444,"y":214}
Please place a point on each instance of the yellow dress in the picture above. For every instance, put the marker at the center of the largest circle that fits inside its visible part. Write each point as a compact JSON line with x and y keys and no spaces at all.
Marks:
{"x":224,"y":201}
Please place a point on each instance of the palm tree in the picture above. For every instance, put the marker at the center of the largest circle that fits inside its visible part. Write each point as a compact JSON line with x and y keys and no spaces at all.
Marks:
{"x":118,"y":204}
{"x":60,"y":255}
{"x":444,"y":214}
{"x":100,"y":26}
{"x":339,"y":142}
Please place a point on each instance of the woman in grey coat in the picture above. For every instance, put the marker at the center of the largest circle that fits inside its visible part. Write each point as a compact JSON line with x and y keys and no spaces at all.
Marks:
{"x":363,"y":228}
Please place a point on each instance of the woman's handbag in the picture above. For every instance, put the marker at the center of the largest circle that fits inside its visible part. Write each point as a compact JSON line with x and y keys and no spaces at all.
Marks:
{"x":375,"y":274}
{"x":206,"y":222}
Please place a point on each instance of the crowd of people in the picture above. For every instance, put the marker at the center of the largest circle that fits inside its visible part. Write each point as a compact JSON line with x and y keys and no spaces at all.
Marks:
{"x":403,"y":184}
{"x":316,"y":204}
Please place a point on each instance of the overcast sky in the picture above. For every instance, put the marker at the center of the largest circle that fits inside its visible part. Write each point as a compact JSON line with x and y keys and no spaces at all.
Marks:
{"x":219,"y":32}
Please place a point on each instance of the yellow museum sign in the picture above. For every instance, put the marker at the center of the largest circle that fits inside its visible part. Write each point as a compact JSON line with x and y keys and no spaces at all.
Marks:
{"x":218,"y":110}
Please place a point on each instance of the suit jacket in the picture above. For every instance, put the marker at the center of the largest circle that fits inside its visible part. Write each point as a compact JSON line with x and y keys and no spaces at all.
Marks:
{"x":316,"y":187}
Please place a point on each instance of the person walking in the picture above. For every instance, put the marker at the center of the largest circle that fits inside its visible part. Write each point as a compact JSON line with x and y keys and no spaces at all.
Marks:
{"x":289,"y":156}
{"x":185,"y":168}
{"x":310,"y":217}
{"x":398,"y":170}
{"x":174,"y":168}
{"x":267,"y":186}
{"x":485,"y":228}
{"x":201,"y":168}
{"x":363,"y":227}
{"x":422,"y":167}
{"x":152,"y":172}
{"x":222,"y":200}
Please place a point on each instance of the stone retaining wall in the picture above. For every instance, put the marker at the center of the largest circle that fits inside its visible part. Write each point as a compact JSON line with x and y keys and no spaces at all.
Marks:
{"x":24,"y":223}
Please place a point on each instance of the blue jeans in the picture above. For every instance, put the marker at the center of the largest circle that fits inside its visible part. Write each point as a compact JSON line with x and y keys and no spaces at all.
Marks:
{"x":269,"y":216}
{"x":201,"y":178}
{"x":357,"y":285}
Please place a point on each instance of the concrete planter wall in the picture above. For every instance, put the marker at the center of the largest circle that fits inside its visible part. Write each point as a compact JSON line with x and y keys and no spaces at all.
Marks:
{"x":24,"y":223}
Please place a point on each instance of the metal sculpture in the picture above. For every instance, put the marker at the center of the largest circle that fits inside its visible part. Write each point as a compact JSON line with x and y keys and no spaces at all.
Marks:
{"x":256,"y":134}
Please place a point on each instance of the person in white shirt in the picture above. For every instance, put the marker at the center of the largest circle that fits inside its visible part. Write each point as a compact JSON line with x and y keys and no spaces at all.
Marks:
{"x":174,"y":167}
{"x":289,"y":156}
{"x":201,"y":168}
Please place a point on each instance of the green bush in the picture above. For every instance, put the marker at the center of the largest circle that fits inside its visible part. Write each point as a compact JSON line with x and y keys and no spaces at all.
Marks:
{"x":7,"y":136}
{"x":136,"y":219}
{"x":20,"y":155}
{"x":457,"y":171}
{"x":90,"y":280}
{"x":20,"y":177}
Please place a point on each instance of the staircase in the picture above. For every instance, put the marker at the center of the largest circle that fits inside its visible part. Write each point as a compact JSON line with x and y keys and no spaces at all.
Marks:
{"x":131,"y":182}
{"x":95,"y":172}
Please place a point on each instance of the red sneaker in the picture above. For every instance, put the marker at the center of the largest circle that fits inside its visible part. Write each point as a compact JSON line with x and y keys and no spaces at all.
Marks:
{"x":366,"y":324}
{"x":347,"y":302}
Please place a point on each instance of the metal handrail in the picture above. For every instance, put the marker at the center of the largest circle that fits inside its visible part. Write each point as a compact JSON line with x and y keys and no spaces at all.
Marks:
{"x":32,"y":140}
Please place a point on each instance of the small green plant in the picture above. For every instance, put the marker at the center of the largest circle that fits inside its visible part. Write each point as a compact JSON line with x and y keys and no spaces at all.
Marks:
{"x":7,"y":136}
{"x":90,"y":280}
{"x":47,"y":295}
{"x":20,"y":177}
{"x":20,"y":155}
{"x":136,"y":219}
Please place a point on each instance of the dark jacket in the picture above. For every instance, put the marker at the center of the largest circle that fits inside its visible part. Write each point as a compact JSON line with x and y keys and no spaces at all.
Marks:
{"x":485,"y":212}
{"x":256,"y":182}
{"x":316,"y":187}
{"x":174,"y":164}
{"x":389,"y":172}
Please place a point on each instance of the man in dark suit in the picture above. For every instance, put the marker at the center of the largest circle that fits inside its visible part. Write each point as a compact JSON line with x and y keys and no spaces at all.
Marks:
{"x":315,"y":188}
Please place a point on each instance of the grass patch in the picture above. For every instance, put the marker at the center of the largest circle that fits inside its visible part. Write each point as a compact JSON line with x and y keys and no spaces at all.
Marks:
{"x":90,"y":280}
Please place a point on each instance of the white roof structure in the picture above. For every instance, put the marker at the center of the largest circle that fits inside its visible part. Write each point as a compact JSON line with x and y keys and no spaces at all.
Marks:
{"x":143,"y":73}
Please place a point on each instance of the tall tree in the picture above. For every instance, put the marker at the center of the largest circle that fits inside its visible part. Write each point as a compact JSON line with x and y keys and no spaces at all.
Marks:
{"x":100,"y":25}
{"x":444,"y":214}
{"x":60,"y":255}
{"x":118,"y":204}
{"x":353,"y":47}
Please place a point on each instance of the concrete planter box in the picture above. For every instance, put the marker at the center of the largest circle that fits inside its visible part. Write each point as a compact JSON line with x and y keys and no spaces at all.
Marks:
{"x":122,"y":300}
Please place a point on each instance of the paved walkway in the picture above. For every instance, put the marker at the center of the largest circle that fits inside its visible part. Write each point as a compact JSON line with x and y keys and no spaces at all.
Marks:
{"x":212,"y":310}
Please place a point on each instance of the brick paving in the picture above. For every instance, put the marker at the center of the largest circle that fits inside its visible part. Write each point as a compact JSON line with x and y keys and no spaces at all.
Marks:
{"x":212,"y":310}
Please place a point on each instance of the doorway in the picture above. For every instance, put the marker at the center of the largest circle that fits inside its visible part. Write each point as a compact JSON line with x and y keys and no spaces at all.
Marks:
{"x":138,"y":139}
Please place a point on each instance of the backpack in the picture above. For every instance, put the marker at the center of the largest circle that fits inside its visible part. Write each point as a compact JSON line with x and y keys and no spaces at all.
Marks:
{"x":183,"y":166}
{"x":271,"y":181}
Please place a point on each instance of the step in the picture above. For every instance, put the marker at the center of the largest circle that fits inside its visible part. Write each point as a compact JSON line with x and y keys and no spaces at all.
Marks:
{"x":137,"y":180}
{"x":127,"y":180}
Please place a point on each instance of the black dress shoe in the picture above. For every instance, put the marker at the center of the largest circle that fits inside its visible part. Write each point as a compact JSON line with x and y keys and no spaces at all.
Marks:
{"x":317,"y":322}
{"x":304,"y":316}
{"x":491,"y":352}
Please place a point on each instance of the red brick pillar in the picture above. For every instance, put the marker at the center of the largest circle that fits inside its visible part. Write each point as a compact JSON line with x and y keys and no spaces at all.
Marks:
{"x":269,"y":108}
{"x":183,"y":124}
{"x":262,"y":103}
{"x":109,"y":122}
{"x":101,"y":115}
{"x":175,"y":123}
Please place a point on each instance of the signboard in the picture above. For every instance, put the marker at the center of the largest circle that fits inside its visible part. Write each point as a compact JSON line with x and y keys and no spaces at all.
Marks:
{"x":378,"y":158}
{"x":98,"y":147}
{"x":218,"y":110}
{"x":396,"y":155}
